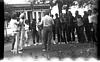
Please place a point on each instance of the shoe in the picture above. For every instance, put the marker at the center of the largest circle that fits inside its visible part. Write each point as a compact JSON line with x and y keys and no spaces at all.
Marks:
{"x":44,"y":50}
{"x":14,"y":51}
{"x":20,"y":52}
{"x":40,"y":43}
{"x":25,"y":45}
{"x":54,"y":43}
{"x":28,"y":45}
{"x":59,"y":43}
{"x":35,"y":44}
{"x":11,"y":50}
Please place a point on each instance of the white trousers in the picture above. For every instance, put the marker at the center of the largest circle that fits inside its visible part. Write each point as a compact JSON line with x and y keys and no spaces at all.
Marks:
{"x":21,"y":44}
{"x":16,"y":45}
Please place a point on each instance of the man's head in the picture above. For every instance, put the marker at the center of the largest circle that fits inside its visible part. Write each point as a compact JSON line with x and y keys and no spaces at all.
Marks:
{"x":69,"y":13}
{"x":95,"y":10}
{"x":51,"y":16}
{"x":56,"y":15}
{"x":14,"y":16}
{"x":46,"y":12}
{"x":77,"y":13}
{"x":89,"y":12}
{"x":85,"y":13}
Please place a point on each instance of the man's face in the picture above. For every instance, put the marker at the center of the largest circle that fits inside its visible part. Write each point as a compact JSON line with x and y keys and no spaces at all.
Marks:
{"x":76,"y":13}
{"x":89,"y":12}
{"x":56,"y":15}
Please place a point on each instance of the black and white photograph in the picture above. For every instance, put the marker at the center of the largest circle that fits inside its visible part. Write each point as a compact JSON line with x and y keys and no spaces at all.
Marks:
{"x":50,"y":29}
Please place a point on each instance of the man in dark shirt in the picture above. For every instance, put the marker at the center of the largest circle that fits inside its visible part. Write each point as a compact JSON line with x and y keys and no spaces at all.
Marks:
{"x":34,"y":31}
{"x":70,"y":27}
{"x":58,"y":27}
{"x":79,"y":27}
{"x":86,"y":25}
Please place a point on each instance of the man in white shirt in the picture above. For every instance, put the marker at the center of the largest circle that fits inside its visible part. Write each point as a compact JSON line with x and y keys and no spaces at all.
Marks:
{"x":13,"y":29}
{"x":47,"y":23}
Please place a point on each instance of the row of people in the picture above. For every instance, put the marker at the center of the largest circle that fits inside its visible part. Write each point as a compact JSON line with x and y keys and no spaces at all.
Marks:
{"x":66,"y":27}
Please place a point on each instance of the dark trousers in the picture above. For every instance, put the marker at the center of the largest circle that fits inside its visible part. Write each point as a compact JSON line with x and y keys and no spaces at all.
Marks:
{"x":35,"y":35}
{"x":88,"y":32}
{"x":54,"y":32}
{"x":13,"y":43}
{"x":68,"y":33}
{"x":72,"y":32}
{"x":64,"y":33}
{"x":58,"y":30}
{"x":80,"y":34}
{"x":47,"y":36}
{"x":94,"y":35}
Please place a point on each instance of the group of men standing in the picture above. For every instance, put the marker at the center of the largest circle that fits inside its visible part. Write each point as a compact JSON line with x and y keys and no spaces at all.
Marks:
{"x":65,"y":26}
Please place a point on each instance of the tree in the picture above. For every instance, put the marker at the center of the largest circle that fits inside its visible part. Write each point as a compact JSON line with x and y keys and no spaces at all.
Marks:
{"x":69,"y":3}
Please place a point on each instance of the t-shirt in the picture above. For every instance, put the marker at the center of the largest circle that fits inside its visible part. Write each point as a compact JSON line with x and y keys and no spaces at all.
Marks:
{"x":12,"y":27}
{"x":47,"y":21}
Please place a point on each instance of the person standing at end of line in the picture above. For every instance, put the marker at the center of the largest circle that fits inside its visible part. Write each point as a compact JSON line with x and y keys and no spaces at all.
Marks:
{"x":13,"y":28}
{"x":47,"y":23}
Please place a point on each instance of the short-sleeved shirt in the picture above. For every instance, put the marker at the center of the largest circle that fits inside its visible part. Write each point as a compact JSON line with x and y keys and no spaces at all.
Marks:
{"x":46,"y":21}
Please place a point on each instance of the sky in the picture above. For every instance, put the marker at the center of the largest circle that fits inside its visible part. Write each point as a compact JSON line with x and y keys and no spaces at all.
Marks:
{"x":16,"y":1}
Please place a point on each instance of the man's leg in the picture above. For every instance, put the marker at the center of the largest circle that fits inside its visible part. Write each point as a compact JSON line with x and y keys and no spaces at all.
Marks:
{"x":13,"y":43}
{"x":83,"y":39}
{"x":58,"y":35}
{"x":73,"y":35}
{"x":88,"y":32}
{"x":45,"y":38}
{"x":21,"y":40}
{"x":33,"y":35}
{"x":78,"y":33}
{"x":64,"y":35}
{"x":68,"y":32}
{"x":37,"y":36}
{"x":49,"y":40}
{"x":53,"y":34}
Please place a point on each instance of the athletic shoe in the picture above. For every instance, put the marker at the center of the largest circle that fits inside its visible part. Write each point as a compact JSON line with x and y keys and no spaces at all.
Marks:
{"x":44,"y":50}
{"x":25,"y":45}
{"x":20,"y":52}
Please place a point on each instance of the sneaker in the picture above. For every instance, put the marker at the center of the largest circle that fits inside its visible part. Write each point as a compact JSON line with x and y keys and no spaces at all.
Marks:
{"x":35,"y":44}
{"x":40,"y":43}
{"x":11,"y":50}
{"x":20,"y":52}
{"x":54,"y":43}
{"x":28,"y":45}
{"x":14,"y":51}
{"x":44,"y":50}
{"x":25,"y":45}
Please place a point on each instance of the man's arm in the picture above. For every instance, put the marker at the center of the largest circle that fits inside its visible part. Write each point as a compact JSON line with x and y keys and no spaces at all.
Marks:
{"x":40,"y":23}
{"x":52,"y":21}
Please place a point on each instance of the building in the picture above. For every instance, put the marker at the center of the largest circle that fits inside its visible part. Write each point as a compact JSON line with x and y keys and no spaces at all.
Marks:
{"x":32,"y":11}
